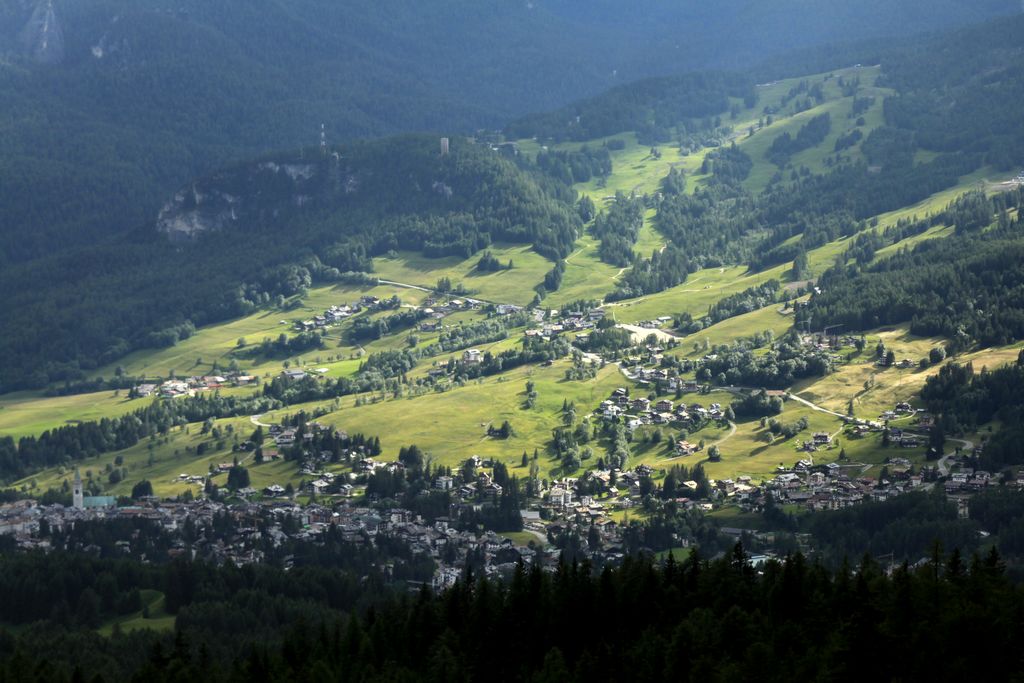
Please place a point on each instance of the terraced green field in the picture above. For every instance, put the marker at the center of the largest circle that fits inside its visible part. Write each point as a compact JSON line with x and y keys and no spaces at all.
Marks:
{"x":738,"y":327}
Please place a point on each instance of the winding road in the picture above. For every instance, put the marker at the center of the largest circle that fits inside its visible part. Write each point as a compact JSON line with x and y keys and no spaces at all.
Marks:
{"x":943,"y":463}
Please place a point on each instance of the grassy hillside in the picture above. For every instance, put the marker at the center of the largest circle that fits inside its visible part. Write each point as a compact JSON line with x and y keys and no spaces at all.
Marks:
{"x":515,"y":286}
{"x":25,"y":413}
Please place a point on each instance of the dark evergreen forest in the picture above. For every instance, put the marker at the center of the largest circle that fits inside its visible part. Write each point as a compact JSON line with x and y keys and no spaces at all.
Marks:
{"x":691,"y":620}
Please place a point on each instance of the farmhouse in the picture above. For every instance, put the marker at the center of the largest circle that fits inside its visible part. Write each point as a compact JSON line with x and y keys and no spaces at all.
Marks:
{"x":685,"y":448}
{"x":273,"y":490}
{"x":174,"y":388}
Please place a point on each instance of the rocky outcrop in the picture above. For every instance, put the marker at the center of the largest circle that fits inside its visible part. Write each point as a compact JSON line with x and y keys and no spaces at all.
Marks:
{"x":43,"y":36}
{"x":193,"y":212}
{"x":235,"y":196}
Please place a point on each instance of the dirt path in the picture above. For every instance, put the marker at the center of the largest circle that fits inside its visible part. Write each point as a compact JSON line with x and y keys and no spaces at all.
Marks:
{"x":575,"y":254}
{"x":255,"y":419}
{"x":816,"y":407}
{"x":405,"y":285}
{"x":732,"y":433}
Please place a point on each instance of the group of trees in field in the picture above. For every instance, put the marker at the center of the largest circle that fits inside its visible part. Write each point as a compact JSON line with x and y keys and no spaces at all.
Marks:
{"x":729,"y":165}
{"x":665,"y":268}
{"x":283,"y":346}
{"x":811,"y":134}
{"x":577,"y":166}
{"x":488,"y":263}
{"x":618,"y":227}
{"x":747,"y":301}
{"x":74,"y":443}
{"x":365,"y":328}
{"x":757,"y":404}
{"x":784,"y":363}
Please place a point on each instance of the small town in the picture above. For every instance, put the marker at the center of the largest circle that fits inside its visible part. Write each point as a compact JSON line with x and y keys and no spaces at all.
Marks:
{"x":242,"y":525}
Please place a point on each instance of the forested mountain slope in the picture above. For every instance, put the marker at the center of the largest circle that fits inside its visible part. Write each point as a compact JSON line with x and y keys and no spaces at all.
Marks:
{"x":968,"y":287}
{"x":110,"y":104}
{"x":402,"y":194}
{"x":297,"y":218}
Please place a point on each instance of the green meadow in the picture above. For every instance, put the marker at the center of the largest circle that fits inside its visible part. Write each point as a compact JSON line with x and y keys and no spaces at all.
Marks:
{"x":152,"y":616}
{"x":515,"y":286}
{"x":702,"y":289}
{"x":738,"y":327}
{"x":25,"y":413}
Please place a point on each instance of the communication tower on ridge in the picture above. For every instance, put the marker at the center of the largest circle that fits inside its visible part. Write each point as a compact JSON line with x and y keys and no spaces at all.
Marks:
{"x":323,"y":140}
{"x":444,"y":147}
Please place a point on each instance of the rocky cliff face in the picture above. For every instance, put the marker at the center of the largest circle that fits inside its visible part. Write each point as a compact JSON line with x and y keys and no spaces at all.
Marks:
{"x":43,"y":35}
{"x":232,"y":197}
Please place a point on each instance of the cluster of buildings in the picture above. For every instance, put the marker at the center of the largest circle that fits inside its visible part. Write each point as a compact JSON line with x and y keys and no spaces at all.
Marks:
{"x":332,"y":316}
{"x":639,"y":411}
{"x":436,"y":310}
{"x":190,"y":386}
{"x":556,"y":322}
{"x":966,"y":481}
{"x":257,"y":528}
{"x":832,"y":486}
{"x":655,"y":324}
